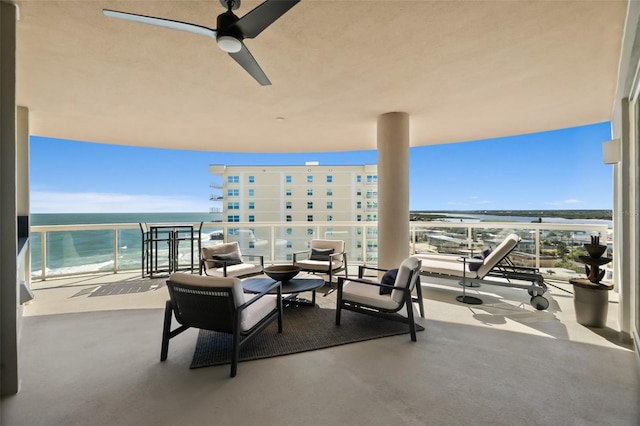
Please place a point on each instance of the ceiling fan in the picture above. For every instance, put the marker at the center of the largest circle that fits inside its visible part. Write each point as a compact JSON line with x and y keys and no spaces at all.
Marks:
{"x":231,"y":29}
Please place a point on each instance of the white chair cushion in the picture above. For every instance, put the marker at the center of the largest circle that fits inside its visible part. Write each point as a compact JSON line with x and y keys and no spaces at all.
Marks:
{"x":503,"y":249}
{"x":205,"y":281}
{"x":235,"y":270}
{"x":257,"y":311}
{"x":368,"y":295}
{"x":410,"y":264}
{"x":318,"y":265}
{"x":445,"y":267}
{"x":449,"y":265}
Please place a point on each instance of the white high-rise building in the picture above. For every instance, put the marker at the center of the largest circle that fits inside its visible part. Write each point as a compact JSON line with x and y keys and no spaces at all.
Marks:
{"x":309,"y":193}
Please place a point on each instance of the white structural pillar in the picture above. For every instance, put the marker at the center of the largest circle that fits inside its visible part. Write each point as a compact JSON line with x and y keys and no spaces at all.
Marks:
{"x":393,"y":189}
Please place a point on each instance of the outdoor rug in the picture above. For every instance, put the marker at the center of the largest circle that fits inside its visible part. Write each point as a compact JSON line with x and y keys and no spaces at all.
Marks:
{"x":304,"y":329}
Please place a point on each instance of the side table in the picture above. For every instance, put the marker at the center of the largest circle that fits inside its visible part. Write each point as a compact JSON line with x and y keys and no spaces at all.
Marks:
{"x":470,"y":300}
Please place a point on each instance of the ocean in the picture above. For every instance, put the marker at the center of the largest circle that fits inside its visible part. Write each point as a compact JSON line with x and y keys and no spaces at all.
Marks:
{"x":72,"y":252}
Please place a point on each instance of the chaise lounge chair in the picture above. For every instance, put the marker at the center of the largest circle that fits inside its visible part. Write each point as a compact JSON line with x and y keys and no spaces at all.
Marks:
{"x":494,"y":269}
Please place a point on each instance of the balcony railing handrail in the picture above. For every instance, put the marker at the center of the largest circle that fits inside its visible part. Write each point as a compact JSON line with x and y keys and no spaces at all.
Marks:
{"x":363,"y":237}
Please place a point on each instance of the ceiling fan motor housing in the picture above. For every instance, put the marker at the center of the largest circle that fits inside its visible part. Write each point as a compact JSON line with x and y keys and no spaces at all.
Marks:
{"x":226,"y":25}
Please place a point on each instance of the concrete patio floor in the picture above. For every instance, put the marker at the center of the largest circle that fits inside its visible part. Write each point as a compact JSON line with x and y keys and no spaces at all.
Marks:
{"x":90,"y":355}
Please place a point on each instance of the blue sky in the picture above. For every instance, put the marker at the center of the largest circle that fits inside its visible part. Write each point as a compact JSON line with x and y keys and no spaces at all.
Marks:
{"x":559,"y":169}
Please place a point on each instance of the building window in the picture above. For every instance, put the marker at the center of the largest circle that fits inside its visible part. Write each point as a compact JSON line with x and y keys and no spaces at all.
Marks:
{"x":234,"y":231}
{"x":288,"y":205}
{"x":358,"y":178}
{"x":329,"y":218}
{"x":287,"y":192}
{"x":233,"y":192}
{"x":310,"y":192}
{"x":329,"y":192}
{"x":329,"y":179}
{"x":359,"y":244}
{"x":359,"y":192}
{"x":289,"y":218}
{"x":252,"y":179}
{"x":252,"y":244}
{"x":309,"y":218}
{"x":310,"y":179}
{"x":359,"y":218}
{"x":289,"y":231}
{"x":252,"y":205}
{"x":252,"y":218}
{"x":358,"y":204}
{"x":309,"y":204}
{"x":372,"y":217}
{"x":287,"y":179}
{"x":289,"y":245}
{"x":233,"y":205}
{"x":252,"y":192}
{"x":372,"y":179}
{"x":289,"y":256}
{"x":233,"y":218}
{"x":329,"y":204}
{"x":309,"y":232}
{"x":233,"y":179}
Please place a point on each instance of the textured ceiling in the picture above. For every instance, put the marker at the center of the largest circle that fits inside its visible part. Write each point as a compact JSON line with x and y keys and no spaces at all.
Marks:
{"x":463,"y":70}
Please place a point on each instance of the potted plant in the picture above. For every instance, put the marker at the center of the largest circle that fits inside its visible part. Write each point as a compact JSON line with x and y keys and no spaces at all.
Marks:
{"x":590,"y":296}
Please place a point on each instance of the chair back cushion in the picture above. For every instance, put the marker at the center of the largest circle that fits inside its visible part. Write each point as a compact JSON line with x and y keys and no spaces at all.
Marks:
{"x":408,"y":275}
{"x":208,"y":282}
{"x":227,"y":251}
{"x":497,"y":254}
{"x":336,"y":245}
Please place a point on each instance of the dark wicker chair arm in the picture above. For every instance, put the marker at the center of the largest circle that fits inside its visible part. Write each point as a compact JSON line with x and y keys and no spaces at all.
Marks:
{"x":295,"y":254}
{"x":359,"y":280}
{"x":361,"y":269}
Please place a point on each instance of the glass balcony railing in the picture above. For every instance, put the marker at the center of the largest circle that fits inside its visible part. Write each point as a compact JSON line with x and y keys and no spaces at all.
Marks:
{"x":554,"y":248}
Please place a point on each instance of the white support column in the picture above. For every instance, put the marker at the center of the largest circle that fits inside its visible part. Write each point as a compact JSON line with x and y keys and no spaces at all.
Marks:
{"x":393,"y":189}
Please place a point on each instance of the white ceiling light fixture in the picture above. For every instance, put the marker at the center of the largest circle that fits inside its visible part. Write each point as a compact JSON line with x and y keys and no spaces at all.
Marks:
{"x":229,"y":44}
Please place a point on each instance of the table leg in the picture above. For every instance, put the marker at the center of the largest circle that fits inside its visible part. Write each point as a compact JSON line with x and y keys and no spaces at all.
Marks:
{"x":469,"y":300}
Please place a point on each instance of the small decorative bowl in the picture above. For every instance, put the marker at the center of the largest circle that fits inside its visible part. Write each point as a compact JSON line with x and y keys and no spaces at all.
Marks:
{"x":281,"y":272}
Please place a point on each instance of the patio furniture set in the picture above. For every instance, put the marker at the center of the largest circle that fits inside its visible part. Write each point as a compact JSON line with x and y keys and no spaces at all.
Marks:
{"x":219,"y":298}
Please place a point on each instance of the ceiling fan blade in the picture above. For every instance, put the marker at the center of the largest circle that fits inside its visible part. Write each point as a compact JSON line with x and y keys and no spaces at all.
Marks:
{"x":160,"y":22}
{"x":254,"y":22}
{"x":246,"y":61}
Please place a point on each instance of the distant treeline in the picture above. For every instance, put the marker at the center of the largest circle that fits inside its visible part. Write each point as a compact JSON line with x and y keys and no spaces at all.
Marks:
{"x":567,"y":214}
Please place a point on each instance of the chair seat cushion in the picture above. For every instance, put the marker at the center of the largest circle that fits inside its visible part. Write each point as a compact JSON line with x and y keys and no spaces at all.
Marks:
{"x":446,"y":267}
{"x":257,"y":311}
{"x":367,"y":294}
{"x":235,"y":270}
{"x":318,"y":265}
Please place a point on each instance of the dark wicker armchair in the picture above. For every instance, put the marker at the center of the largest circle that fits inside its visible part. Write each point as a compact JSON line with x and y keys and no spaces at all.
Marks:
{"x":368,"y":297}
{"x":218,"y":304}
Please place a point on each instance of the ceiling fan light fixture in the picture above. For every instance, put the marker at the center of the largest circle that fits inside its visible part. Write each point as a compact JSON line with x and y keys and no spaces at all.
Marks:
{"x":229,"y":44}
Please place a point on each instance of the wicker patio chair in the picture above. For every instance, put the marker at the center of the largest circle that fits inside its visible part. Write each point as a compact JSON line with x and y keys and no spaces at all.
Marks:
{"x":218,"y":304}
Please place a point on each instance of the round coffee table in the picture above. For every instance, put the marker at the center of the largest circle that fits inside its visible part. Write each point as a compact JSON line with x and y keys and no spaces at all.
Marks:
{"x":290,"y":288}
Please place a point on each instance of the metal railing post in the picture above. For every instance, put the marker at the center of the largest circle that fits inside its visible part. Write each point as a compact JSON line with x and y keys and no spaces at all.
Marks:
{"x":537,"y":247}
{"x":43,"y":254}
{"x":115,"y":251}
